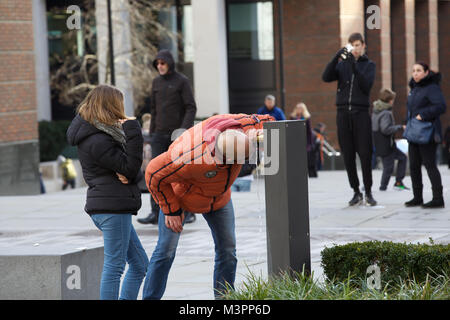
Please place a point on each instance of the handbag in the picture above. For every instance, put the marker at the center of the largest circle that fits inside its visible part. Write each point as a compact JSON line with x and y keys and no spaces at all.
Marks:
{"x":418,"y":131}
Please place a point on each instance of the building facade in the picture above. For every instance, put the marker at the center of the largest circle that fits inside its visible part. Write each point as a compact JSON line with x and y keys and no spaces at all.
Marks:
{"x":235,"y":52}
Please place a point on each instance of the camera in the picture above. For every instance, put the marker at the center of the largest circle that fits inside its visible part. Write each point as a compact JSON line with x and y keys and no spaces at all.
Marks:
{"x":348,"y":49}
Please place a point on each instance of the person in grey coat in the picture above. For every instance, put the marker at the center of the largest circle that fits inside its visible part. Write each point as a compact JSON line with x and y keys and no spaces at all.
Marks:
{"x":383,"y":129}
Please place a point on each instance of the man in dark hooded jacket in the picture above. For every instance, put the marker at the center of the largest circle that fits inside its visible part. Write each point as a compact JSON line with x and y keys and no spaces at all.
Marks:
{"x":172,"y":107}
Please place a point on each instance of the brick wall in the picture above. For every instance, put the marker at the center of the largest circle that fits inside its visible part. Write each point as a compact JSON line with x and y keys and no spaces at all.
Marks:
{"x":18,"y":118}
{"x":422,"y":31}
{"x":444,"y":53}
{"x":311,"y":36}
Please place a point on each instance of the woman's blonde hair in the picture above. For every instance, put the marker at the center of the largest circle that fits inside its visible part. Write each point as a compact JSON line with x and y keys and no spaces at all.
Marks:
{"x":104,"y":103}
{"x":305,"y":113}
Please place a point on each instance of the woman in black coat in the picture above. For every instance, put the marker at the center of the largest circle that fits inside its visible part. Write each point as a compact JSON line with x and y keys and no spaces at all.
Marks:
{"x":425,"y":103}
{"x":110,"y":152}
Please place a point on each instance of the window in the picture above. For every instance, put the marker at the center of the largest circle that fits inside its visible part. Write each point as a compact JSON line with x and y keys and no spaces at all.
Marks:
{"x":250,"y":27}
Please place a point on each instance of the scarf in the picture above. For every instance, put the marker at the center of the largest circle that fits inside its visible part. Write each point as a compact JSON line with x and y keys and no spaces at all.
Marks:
{"x":115,"y":131}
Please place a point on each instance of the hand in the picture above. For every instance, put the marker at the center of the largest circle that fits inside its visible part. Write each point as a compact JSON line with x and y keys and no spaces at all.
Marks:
{"x":418,"y":117}
{"x":403,"y":127}
{"x":342,"y":52}
{"x":175,"y":223}
{"x":122,"y":178}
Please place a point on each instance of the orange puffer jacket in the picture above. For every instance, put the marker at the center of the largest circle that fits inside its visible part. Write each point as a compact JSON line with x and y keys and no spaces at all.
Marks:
{"x":188,"y":176}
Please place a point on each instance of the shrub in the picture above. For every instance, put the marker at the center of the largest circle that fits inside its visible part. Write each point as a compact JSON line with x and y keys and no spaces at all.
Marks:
{"x":396,"y":261}
{"x":52,"y":139}
{"x":301,"y":286}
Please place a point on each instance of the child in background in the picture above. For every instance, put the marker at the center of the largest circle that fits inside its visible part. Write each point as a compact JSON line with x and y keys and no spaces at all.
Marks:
{"x":69,"y":173}
{"x":383,"y":129}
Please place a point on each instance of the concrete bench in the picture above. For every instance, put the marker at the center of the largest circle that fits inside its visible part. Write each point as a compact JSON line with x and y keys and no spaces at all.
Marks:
{"x":50,"y":272}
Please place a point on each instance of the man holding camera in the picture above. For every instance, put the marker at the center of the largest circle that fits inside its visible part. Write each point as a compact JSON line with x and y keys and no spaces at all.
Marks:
{"x":355,"y":74}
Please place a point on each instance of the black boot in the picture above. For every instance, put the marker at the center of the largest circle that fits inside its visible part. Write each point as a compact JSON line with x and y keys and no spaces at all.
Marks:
{"x":417,"y":200}
{"x":435,"y":203}
{"x":152,"y":218}
{"x":189,"y":217}
{"x":370,"y":200}
{"x":357,"y":199}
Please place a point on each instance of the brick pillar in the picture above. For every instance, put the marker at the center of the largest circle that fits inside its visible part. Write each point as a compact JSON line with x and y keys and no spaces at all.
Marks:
{"x":433,"y":34}
{"x":19,"y":148}
{"x":399,"y":65}
{"x":422,"y":27}
{"x":444,"y":50}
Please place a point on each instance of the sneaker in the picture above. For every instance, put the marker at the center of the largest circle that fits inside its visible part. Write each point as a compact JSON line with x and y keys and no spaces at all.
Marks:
{"x":414,"y":202}
{"x":356,"y":200}
{"x":370,"y":200}
{"x":400,"y":186}
{"x":383,"y":188}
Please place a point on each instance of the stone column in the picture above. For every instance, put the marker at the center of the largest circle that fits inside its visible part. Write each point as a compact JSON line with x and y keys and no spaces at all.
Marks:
{"x":410,"y":37}
{"x":210,"y":57}
{"x":42,"y":68}
{"x":385,"y":44}
{"x":433,"y":35}
{"x":120,"y":20}
{"x":351,"y":14}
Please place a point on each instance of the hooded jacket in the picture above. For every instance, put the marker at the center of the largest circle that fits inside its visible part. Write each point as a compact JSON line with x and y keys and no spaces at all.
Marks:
{"x":355,"y":80}
{"x":172,"y":103}
{"x":383,"y":128}
{"x":188,"y":176}
{"x":383,"y":118}
{"x":101,"y":157}
{"x":426,"y":99}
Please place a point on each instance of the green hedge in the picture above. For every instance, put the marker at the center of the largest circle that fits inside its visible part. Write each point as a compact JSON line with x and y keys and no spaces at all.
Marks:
{"x":53,"y":141}
{"x":395,"y":260}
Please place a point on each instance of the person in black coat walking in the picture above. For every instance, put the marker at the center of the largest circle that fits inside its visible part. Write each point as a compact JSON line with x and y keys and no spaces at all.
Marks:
{"x":425,"y":103}
{"x":355,"y":74}
{"x":110,"y":152}
{"x":172,"y":107}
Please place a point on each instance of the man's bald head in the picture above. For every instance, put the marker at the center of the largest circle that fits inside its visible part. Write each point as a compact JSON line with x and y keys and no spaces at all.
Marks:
{"x":234,"y":146}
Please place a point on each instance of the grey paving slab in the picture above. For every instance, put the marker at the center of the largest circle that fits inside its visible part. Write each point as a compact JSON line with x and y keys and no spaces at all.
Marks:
{"x":37,"y":223}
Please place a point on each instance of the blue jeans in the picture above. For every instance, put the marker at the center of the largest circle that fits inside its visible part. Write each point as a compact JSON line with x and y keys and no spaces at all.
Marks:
{"x":121,"y":245}
{"x":241,"y":185}
{"x":221,"y":223}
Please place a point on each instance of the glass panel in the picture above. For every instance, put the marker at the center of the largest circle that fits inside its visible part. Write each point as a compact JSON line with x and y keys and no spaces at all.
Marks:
{"x":251,"y":30}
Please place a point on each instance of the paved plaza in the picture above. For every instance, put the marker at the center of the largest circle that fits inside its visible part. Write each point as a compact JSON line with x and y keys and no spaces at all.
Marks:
{"x":28,"y":222}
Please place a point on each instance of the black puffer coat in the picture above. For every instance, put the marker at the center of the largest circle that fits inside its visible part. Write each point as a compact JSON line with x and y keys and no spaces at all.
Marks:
{"x":355,"y":80}
{"x":101,"y":157}
{"x":426,"y":99}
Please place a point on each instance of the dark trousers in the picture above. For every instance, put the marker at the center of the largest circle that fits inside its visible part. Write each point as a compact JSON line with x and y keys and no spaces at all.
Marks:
{"x":388,"y":167}
{"x":160,"y":143}
{"x":355,"y":137}
{"x":424,"y":154}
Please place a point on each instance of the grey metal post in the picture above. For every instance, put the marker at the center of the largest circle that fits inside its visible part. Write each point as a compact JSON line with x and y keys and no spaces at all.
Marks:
{"x":287,"y":209}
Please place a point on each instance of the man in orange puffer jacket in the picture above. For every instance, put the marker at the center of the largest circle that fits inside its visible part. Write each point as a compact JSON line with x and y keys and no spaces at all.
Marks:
{"x":195,"y":175}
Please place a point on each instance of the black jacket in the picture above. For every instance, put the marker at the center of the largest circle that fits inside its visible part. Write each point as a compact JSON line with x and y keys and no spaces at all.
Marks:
{"x":172,"y":103}
{"x":355,"y":79}
{"x":426,"y":99}
{"x":101,"y":157}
